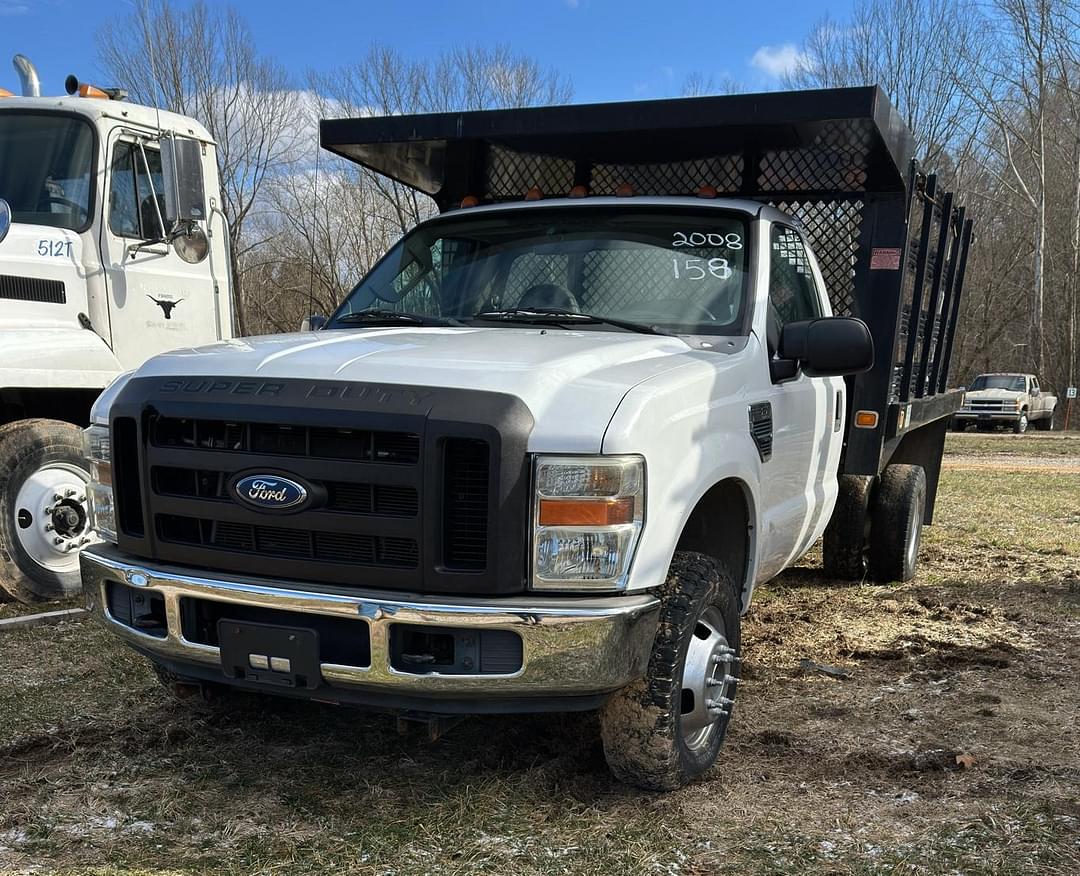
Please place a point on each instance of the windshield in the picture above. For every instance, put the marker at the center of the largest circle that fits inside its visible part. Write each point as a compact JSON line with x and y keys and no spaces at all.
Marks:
{"x":681,"y":271}
{"x":1011,"y":382}
{"x":45,"y":163}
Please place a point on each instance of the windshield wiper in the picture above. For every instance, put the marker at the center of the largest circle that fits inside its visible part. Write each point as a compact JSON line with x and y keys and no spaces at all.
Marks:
{"x":374,"y":316}
{"x":555,"y":316}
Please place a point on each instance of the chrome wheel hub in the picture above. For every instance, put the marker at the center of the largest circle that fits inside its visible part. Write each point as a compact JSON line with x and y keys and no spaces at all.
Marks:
{"x":708,"y":683}
{"x":51,"y":521}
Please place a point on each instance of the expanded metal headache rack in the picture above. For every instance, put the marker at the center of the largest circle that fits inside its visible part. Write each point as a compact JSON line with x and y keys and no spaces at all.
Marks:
{"x":891,"y":246}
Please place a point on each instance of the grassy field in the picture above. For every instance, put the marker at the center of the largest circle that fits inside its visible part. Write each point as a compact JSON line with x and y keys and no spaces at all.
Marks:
{"x":978,"y":658}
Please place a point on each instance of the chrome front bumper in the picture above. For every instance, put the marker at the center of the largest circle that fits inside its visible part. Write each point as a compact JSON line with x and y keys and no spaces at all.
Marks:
{"x":573,"y":647}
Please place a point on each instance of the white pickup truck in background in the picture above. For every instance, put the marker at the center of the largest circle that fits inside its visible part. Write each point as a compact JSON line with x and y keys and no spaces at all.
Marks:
{"x":1006,"y":399}
{"x":543,"y":452}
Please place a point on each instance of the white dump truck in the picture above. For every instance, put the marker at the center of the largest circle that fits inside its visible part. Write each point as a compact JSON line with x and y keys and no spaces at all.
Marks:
{"x":112,"y":249}
{"x":541,"y":455}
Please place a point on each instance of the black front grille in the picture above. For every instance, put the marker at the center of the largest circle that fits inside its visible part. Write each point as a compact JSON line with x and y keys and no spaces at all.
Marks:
{"x":406,"y":486}
{"x":360,"y":445}
{"x":466,"y":471}
{"x":32,"y":289}
{"x":286,"y":543}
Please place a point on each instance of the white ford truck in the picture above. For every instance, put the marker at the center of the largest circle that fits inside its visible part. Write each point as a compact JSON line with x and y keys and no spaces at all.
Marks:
{"x":540,"y":456}
{"x":110,"y":252}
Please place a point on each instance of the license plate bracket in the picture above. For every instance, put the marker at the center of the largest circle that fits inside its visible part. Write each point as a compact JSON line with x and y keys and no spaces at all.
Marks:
{"x":269,"y":654}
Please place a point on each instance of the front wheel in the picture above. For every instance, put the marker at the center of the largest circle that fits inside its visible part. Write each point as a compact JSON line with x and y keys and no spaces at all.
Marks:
{"x":1021,"y":424}
{"x":666,"y":729}
{"x":43,"y":510}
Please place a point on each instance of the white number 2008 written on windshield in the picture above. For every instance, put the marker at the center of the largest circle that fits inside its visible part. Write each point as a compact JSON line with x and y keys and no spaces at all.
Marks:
{"x":731,"y":240}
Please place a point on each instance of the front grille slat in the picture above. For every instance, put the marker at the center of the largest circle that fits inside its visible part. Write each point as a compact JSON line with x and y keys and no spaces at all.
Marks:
{"x":274,"y":439}
{"x":276,"y":541}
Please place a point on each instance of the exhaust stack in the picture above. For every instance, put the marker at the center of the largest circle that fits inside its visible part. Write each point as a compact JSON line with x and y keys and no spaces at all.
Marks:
{"x":28,"y":76}
{"x":73,"y":86}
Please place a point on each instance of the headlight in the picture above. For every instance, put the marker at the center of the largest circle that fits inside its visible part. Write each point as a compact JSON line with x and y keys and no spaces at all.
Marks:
{"x":102,"y":504}
{"x":587,"y":516}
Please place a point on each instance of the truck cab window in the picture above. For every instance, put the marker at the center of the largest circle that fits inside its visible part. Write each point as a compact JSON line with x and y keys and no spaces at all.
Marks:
{"x":45,"y":169}
{"x":132,"y":212}
{"x":793,"y":294}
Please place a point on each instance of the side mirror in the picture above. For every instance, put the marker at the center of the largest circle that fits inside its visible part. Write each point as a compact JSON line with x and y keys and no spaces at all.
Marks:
{"x":5,"y":219}
{"x":312,"y":323}
{"x":833,"y":346}
{"x":182,"y":177}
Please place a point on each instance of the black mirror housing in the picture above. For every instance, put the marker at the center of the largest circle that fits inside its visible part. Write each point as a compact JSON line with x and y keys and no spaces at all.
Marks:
{"x":833,"y":346}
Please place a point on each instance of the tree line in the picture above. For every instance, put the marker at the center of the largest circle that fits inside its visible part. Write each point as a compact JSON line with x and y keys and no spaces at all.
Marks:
{"x":990,"y":90}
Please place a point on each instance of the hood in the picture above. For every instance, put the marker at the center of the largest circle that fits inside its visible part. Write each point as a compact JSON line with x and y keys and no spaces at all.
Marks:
{"x":571,"y":381}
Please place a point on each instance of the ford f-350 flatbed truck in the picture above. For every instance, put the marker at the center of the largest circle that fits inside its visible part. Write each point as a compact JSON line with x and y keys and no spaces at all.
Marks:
{"x":542,"y":453}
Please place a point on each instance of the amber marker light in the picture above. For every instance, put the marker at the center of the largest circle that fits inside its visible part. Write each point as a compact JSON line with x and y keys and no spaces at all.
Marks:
{"x":586,"y":512}
{"x":579,"y":192}
{"x":624,"y":190}
{"x":866,"y":419}
{"x":707,"y":192}
{"x":534,"y":194}
{"x":5,"y":93}
{"x":86,"y":90}
{"x":470,"y":201}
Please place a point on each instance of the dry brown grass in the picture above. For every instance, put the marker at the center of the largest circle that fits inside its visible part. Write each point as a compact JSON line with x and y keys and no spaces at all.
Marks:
{"x":101,"y":772}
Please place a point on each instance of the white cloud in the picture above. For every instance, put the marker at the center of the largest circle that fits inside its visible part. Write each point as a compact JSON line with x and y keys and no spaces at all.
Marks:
{"x":572,"y":4}
{"x":7,"y":7}
{"x":776,"y":61}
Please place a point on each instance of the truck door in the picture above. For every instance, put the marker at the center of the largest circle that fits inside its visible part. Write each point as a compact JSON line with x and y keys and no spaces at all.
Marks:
{"x":799,"y":480}
{"x":157,"y":301}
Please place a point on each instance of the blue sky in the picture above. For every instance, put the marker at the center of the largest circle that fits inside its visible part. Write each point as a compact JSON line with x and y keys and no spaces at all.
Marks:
{"x":611,"y":50}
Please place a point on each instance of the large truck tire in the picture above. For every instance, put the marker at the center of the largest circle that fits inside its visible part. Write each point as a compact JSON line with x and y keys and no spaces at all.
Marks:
{"x":847,"y":535}
{"x":896,"y":522}
{"x":1045,"y":424}
{"x":43,"y":509}
{"x":662,"y":731}
{"x":1021,"y":423}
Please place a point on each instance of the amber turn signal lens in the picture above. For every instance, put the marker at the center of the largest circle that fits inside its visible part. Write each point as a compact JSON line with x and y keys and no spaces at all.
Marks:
{"x":90,"y":91}
{"x":5,"y":93}
{"x":470,"y":201}
{"x":534,"y":194}
{"x":866,"y":419}
{"x":586,"y":512}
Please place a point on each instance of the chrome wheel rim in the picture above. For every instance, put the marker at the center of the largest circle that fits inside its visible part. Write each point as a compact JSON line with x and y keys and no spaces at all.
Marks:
{"x":708,"y":682}
{"x":51,"y":521}
{"x":916,"y":533}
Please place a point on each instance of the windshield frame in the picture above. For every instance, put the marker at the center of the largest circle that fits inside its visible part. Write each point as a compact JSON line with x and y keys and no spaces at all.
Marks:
{"x":670,"y":207}
{"x":95,"y":146}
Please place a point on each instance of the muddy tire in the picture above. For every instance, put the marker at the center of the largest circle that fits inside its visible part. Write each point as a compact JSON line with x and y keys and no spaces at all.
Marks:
{"x":43,"y":522}
{"x":661,"y":732}
{"x":896,"y":522}
{"x":846,"y":540}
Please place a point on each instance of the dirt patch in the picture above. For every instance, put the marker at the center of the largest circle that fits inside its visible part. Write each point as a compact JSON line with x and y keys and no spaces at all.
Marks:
{"x":102,"y":771}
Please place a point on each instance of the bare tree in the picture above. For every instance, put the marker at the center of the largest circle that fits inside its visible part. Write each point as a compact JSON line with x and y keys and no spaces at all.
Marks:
{"x":917,"y":50}
{"x":202,"y":62}
{"x":325,"y":230}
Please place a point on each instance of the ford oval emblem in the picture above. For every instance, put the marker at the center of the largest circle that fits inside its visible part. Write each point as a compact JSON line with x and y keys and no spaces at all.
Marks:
{"x":269,"y":492}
